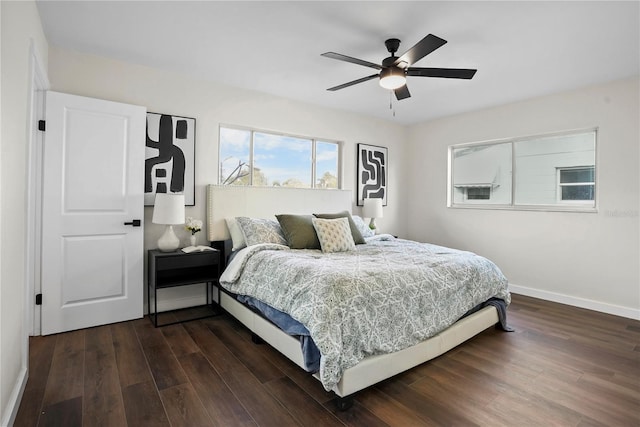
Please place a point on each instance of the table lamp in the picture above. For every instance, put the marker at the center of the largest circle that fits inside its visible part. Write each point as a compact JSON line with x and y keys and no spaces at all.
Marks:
{"x":168,"y":210}
{"x":372,"y":209}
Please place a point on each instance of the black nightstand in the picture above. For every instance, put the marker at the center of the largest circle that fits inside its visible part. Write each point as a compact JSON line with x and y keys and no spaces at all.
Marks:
{"x":171,"y":269}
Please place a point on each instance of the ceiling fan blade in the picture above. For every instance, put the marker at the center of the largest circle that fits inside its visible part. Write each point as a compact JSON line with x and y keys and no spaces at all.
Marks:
{"x":355,"y":82}
{"x":421,"y":49}
{"x":447,"y":73}
{"x":402,"y":93}
{"x":346,"y":58}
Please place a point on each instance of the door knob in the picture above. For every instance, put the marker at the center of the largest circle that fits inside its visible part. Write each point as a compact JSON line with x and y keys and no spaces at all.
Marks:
{"x":135,"y":223}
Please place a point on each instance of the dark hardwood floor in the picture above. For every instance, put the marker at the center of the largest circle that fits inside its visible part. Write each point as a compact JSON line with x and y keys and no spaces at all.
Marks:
{"x":563,"y":366}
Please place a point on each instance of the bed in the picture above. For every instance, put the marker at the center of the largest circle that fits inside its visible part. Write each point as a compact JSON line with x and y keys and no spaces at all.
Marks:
{"x":402,"y":330}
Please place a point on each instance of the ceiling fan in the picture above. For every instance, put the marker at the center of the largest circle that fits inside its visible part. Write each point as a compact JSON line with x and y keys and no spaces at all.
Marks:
{"x":394,"y":70}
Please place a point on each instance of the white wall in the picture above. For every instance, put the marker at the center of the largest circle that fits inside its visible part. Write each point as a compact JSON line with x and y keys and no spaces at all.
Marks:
{"x":20,"y":25}
{"x":214,"y":104}
{"x":585,"y":259}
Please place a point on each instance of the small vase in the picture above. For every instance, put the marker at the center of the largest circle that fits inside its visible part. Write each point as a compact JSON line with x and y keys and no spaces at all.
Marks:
{"x":192,"y":239}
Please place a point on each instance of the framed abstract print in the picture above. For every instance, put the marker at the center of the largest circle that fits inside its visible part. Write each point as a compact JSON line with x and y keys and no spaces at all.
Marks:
{"x":169,"y":157}
{"x":372,"y":173}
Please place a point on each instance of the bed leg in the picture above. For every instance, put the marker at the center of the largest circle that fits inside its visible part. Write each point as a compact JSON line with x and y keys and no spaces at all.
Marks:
{"x":256,"y":339}
{"x":344,"y":403}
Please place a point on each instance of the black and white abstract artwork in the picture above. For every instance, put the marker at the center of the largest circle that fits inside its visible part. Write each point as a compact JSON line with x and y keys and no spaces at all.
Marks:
{"x":169,"y":157}
{"x":372,"y":173}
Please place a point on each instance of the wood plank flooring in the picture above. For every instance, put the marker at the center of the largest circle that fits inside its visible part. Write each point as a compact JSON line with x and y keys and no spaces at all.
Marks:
{"x":563,"y":366}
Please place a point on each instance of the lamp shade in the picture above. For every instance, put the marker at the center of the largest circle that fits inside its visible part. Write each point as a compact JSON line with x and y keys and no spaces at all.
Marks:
{"x":372,"y":208}
{"x":168,"y":209}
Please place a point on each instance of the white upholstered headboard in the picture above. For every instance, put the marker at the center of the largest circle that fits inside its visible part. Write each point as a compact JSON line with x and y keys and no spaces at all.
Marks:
{"x":224,"y":201}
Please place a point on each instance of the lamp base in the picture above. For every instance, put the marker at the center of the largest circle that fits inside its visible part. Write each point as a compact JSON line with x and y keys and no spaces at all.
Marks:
{"x":168,"y":242}
{"x":372,"y":225}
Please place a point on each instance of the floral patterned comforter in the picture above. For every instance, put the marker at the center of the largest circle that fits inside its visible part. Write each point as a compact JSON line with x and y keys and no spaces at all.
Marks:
{"x":385,"y":296}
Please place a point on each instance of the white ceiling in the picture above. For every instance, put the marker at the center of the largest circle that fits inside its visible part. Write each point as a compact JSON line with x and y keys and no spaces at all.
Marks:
{"x":521,"y":49}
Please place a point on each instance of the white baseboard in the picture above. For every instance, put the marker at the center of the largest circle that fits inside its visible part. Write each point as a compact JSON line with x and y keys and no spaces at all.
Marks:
{"x":10,"y":411}
{"x":628,"y":312}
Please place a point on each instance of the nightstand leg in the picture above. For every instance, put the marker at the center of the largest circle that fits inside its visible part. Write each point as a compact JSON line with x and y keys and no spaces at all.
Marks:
{"x":155,"y":306}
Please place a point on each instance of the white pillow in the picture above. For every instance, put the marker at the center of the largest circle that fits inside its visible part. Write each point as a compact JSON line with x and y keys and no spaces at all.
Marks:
{"x":258,"y":230}
{"x":237,"y":238}
{"x":362,"y":227}
{"x":334,"y":234}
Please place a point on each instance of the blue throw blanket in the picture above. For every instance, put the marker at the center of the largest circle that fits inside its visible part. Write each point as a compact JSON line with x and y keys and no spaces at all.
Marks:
{"x":310,"y":351}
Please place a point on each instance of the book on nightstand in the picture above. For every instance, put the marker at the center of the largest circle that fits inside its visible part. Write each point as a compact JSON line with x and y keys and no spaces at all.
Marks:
{"x":200,"y":248}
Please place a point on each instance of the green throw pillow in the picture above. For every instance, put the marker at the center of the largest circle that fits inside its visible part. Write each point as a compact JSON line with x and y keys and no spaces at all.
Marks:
{"x":299,"y":231}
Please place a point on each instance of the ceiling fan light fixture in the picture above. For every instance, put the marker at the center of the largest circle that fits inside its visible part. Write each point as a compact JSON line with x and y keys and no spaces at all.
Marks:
{"x":393,"y":70}
{"x":392,"y":78}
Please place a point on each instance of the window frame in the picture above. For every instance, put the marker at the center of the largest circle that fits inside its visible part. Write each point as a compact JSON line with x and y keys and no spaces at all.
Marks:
{"x":313,"y":140}
{"x":590,"y":206}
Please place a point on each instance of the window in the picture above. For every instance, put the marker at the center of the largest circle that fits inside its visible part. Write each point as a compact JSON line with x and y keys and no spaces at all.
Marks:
{"x":478,"y":193}
{"x":576,"y":184}
{"x":555,"y":171}
{"x":484,"y":172}
{"x":251,"y":157}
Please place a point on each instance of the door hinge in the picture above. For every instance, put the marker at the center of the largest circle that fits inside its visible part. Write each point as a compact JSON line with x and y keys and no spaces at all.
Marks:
{"x":38,"y":299}
{"x":42,"y":125}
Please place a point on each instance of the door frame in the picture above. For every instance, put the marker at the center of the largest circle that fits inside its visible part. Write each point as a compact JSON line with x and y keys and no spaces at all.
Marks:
{"x":38,"y":85}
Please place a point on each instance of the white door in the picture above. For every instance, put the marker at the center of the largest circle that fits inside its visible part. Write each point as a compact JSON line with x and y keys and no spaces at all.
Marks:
{"x":92,"y":263}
